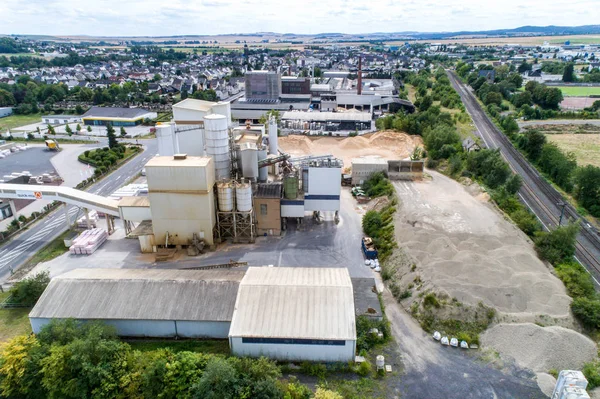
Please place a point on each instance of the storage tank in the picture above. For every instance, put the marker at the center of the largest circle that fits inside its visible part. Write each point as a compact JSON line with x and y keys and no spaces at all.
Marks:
{"x":165,"y":139}
{"x":273,"y":143}
{"x":223,"y":108}
{"x":249,"y":161}
{"x":217,"y":144}
{"x":189,"y":139}
{"x":263,"y":173}
{"x":290,"y":187}
{"x":225,"y":196}
{"x":243,"y":193}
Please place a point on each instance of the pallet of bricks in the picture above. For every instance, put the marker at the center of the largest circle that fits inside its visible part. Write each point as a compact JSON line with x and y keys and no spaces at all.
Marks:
{"x":88,"y":242}
{"x":82,"y":222}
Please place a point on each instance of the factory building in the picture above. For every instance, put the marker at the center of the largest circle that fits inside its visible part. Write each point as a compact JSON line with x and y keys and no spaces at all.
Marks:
{"x":262,"y":85}
{"x":364,"y":167}
{"x":182,"y":200}
{"x":329,"y":121}
{"x":267,"y":202}
{"x":143,"y":302}
{"x":102,"y":116}
{"x":295,"y":314}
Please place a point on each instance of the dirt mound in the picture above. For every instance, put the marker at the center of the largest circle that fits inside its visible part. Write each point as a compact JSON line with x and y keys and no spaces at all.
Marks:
{"x":541,"y":348}
{"x":386,"y":144}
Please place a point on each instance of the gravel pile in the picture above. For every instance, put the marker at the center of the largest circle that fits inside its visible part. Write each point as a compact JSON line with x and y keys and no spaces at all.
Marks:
{"x":541,"y":348}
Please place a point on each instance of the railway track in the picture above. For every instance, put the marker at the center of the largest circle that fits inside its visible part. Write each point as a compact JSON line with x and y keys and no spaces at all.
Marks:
{"x":537,"y":194}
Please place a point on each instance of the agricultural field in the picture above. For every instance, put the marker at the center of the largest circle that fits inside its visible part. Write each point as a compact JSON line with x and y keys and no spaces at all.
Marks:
{"x":586,"y":147}
{"x":14,"y":321}
{"x":528,"y":40}
{"x":8,"y":55}
{"x":13,"y":121}
{"x":579,"y":91}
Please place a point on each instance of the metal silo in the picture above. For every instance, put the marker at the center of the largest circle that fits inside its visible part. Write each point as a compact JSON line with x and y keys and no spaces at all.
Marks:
{"x":217,"y":144}
{"x":225,"y":196}
{"x":263,"y":173}
{"x":243,"y":194}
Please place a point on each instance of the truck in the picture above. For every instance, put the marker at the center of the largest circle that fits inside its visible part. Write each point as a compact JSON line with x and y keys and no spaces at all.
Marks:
{"x":52,"y":145}
{"x":368,"y":248}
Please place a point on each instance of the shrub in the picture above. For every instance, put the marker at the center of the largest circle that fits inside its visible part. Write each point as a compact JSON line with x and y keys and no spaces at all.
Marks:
{"x":378,"y":185}
{"x":431,"y":300}
{"x":364,"y":369}
{"x":28,"y":291}
{"x":577,"y":280}
{"x":323,"y":393}
{"x":592,"y":373}
{"x":587,"y":310}
{"x":314,"y":369}
{"x":557,"y":245}
{"x":372,"y":223}
{"x":86,"y":153}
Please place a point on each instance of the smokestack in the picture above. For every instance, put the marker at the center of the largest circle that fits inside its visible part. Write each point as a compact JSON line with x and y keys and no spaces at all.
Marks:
{"x":359,"y":84}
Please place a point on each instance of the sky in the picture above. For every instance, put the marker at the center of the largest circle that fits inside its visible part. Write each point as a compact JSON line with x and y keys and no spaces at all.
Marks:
{"x":204,"y":17}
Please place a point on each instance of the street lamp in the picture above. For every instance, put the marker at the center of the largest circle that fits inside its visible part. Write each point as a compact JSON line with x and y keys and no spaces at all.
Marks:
{"x":562,"y":204}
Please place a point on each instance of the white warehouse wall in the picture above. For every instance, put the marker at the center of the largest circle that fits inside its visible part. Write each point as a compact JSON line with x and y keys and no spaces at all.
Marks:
{"x":316,"y":353}
{"x":157,"y":328}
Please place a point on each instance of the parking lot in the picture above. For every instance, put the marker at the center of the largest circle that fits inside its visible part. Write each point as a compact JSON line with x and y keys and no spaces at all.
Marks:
{"x":35,"y":159}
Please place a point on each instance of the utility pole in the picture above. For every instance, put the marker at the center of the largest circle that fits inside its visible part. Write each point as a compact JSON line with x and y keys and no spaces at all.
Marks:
{"x":562,"y":204}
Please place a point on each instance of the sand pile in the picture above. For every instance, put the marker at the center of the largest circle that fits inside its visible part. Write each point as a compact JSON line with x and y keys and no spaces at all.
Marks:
{"x":541,"y":348}
{"x":464,"y":248}
{"x":386,"y":144}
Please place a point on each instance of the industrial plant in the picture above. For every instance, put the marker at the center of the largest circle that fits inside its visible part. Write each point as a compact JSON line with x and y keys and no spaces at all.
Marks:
{"x":213,"y":181}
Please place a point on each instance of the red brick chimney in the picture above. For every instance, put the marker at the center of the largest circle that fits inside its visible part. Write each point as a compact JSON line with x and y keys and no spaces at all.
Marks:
{"x":359,"y":84}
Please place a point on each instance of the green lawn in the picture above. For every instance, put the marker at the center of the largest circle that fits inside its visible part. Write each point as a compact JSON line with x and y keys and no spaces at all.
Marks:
{"x":13,"y":322}
{"x":53,"y":250}
{"x":13,"y":121}
{"x":578,"y":91}
{"x":205,"y":346}
{"x":577,"y":40}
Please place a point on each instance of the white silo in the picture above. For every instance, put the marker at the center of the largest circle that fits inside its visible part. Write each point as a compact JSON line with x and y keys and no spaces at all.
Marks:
{"x":223,"y":108}
{"x":217,"y":144}
{"x":189,"y":140}
{"x":273,"y":145}
{"x":165,"y":139}
{"x":263,"y":173}
{"x":225,"y":196}
{"x":243,"y":194}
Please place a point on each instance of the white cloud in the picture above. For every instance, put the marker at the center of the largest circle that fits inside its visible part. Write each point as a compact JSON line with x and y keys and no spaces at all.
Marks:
{"x":178,"y":17}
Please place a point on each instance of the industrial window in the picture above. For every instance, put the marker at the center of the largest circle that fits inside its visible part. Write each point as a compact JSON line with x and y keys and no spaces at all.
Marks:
{"x":263,"y":209}
{"x":293,"y":341}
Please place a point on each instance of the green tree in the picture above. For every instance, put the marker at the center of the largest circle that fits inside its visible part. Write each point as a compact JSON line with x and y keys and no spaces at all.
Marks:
{"x":27,"y":291}
{"x":78,"y":109}
{"x":557,"y":245}
{"x":424,"y":103}
{"x":513,"y":184}
{"x":123,"y":132}
{"x":587,"y":310}
{"x":112,"y":138}
{"x":524,"y":67}
{"x":558,"y":165}
{"x":6,"y":98}
{"x":442,"y":142}
{"x":219,"y":381}
{"x":372,"y":223}
{"x":19,"y":368}
{"x":323,"y":393}
{"x":532,"y":143}
{"x":569,"y":73}
{"x":587,"y":190}
{"x":89,"y":129}
{"x":68,"y":129}
{"x":493,"y":98}
{"x":78,"y":128}
{"x":51,"y":129}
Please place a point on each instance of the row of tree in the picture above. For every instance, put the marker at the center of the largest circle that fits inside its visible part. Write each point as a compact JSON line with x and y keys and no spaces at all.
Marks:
{"x":72,"y":360}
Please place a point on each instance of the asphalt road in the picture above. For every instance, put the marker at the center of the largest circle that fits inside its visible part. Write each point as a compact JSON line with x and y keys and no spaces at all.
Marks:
{"x":536,"y":193}
{"x":16,"y":252}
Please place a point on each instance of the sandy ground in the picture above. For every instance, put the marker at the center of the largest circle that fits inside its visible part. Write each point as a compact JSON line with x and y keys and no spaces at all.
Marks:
{"x":386,"y":144}
{"x":541,"y":348}
{"x":465,"y":248}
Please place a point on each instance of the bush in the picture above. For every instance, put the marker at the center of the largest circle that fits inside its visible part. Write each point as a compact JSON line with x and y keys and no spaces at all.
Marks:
{"x":587,"y":310}
{"x":557,"y":245}
{"x":372,"y":223}
{"x":365,"y":340}
{"x":364,"y":369}
{"x":432,"y":163}
{"x":577,"y":280}
{"x":28,"y":291}
{"x":592,"y":373}
{"x":431,"y":300}
{"x":526,"y":221}
{"x":378,"y":185}
{"x":314,"y":369}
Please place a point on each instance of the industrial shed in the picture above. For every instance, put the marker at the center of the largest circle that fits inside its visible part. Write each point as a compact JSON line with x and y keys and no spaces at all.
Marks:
{"x":143,"y":302}
{"x":293,"y":313}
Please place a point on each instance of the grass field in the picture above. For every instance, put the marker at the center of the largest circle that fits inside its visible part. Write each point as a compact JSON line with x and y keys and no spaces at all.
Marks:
{"x":53,"y":250}
{"x":586,"y":147}
{"x":579,"y":91}
{"x":13,"y":121}
{"x":13,"y":322}
{"x":8,"y":55}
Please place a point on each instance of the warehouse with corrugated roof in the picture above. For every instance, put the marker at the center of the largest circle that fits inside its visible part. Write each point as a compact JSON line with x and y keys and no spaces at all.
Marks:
{"x":295,"y":314}
{"x":144,"y":302}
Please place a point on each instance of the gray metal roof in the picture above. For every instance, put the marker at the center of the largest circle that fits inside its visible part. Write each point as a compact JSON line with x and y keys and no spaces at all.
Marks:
{"x":141,"y":294}
{"x":268,"y":190}
{"x":295,"y":302}
{"x":114,"y":112}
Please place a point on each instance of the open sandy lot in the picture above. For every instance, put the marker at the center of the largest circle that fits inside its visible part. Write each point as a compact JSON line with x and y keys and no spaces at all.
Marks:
{"x":386,"y":144}
{"x":463,"y":247}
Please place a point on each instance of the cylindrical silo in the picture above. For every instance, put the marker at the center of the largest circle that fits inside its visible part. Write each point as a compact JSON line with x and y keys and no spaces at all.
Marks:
{"x":243,"y":193}
{"x":263,"y":173}
{"x":223,"y":108}
{"x":273,"y":145}
{"x":225,"y":196}
{"x":249,"y":157}
{"x":165,"y":139}
{"x":217,"y":144}
{"x":290,"y":187}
